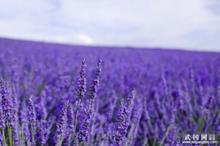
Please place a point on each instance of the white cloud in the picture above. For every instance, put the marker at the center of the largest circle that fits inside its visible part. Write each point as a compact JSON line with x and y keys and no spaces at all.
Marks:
{"x":85,"y":39}
{"x":190,"y":24}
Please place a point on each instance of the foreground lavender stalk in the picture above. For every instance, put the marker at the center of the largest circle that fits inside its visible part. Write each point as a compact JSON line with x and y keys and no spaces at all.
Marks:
{"x":2,"y":127}
{"x":43,"y":126}
{"x":135,"y":120}
{"x":84,"y":131}
{"x":42,"y":132}
{"x":61,"y":126}
{"x":22,"y":122}
{"x":31,"y":117}
{"x":70,"y":124}
{"x":8,"y":112}
{"x":84,"y":128}
{"x":2,"y":119}
{"x":123,"y":119}
{"x":94,"y":87}
{"x":81,"y":90}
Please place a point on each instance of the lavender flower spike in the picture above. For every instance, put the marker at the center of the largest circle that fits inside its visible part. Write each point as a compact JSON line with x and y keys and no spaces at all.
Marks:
{"x":123,"y":119}
{"x":6,"y":102}
{"x":81,"y":84}
{"x":80,"y":93}
{"x":7,"y":108}
{"x":31,"y":116}
{"x":94,"y":88}
{"x":60,"y":127}
{"x":2,"y":119}
{"x":84,"y":128}
{"x":70,"y":123}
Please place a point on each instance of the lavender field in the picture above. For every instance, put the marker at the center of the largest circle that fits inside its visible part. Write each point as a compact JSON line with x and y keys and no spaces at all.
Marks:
{"x":62,"y":95}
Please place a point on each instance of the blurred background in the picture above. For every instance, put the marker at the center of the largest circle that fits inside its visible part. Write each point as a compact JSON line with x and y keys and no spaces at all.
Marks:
{"x":173,"y":24}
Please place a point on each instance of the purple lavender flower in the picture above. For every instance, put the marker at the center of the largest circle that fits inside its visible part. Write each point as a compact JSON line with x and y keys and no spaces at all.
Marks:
{"x":70,"y":118}
{"x":2,"y":119}
{"x":81,"y":90}
{"x":23,"y":124}
{"x":31,"y":117}
{"x":209,"y":102}
{"x":70,"y":125}
{"x":123,"y":119}
{"x":121,"y":126}
{"x":110,"y":113}
{"x":83,"y":133}
{"x":9,"y":113}
{"x":31,"y":113}
{"x":7,"y":106}
{"x":61,"y":126}
{"x":42,"y":132}
{"x":81,"y":84}
{"x":94,"y":87}
{"x":40,"y":108}
{"x":135,"y":120}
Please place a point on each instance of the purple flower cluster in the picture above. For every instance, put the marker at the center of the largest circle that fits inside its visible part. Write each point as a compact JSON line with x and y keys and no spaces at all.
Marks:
{"x":62,"y":95}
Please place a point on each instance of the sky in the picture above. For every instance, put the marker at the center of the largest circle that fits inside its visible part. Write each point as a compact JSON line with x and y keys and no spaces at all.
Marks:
{"x":184,"y":24}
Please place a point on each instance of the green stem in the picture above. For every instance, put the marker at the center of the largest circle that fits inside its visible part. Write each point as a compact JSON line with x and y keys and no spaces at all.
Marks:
{"x":22,"y":134}
{"x":145,"y":142}
{"x":3,"y":138}
{"x":32,"y":134}
{"x":9,"y":136}
{"x":60,"y":140}
{"x":80,"y":143}
{"x":75,"y":123}
{"x":70,"y":138}
{"x":103,"y":140}
{"x":28,"y":143}
{"x":154,"y":142}
{"x":129,"y":139}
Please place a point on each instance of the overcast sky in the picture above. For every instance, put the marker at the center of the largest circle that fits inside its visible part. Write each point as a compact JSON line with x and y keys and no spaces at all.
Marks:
{"x":189,"y":24}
